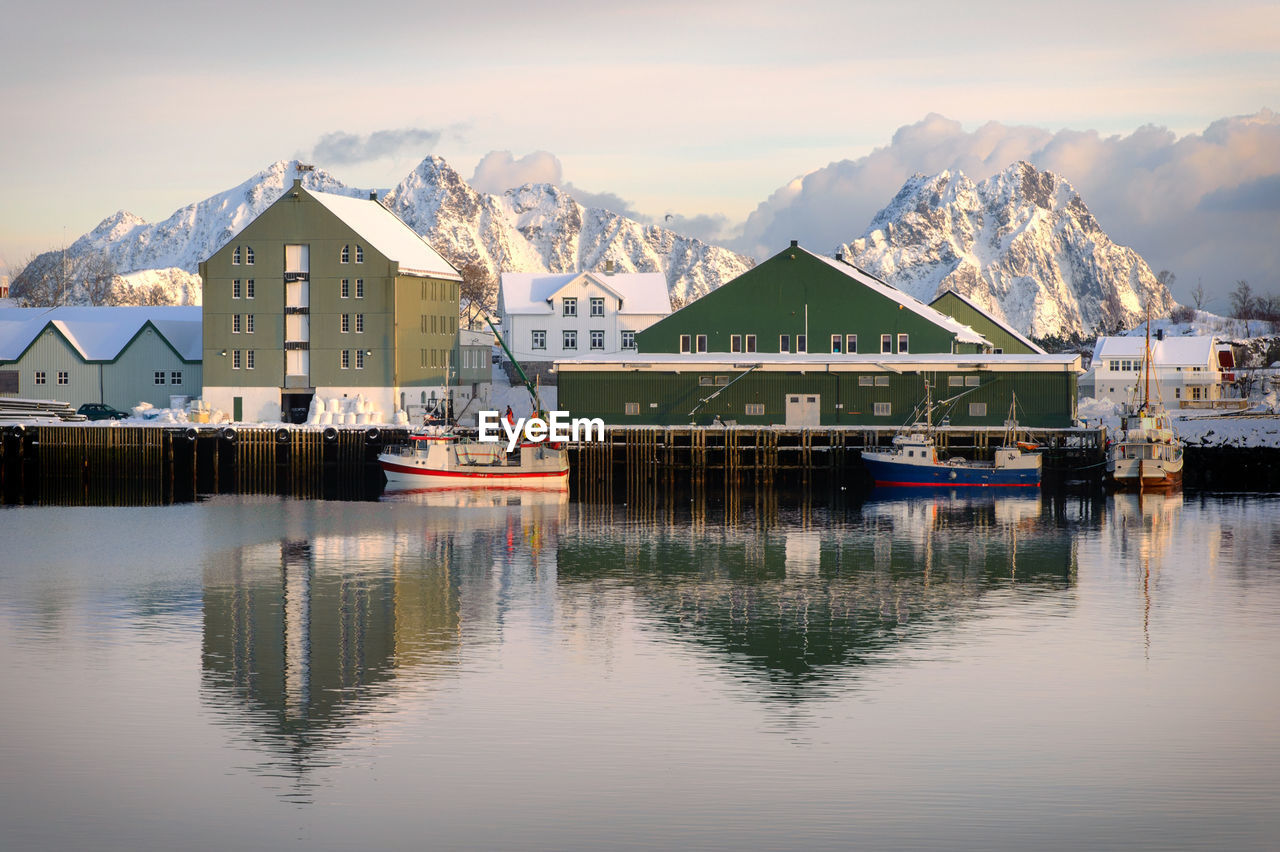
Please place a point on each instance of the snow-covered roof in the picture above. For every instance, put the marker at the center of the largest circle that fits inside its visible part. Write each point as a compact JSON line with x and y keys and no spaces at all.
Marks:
{"x":822,"y":362}
{"x":640,"y":292}
{"x":388,"y":234}
{"x":99,"y":334}
{"x":1194,"y":351}
{"x":1004,"y":325}
{"x":468,"y":337}
{"x":963,"y":333}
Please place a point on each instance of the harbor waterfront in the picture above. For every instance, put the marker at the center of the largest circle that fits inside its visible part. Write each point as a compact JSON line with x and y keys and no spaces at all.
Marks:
{"x":702,"y":667}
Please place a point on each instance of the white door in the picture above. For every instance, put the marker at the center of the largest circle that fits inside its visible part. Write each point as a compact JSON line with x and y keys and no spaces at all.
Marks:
{"x":804,"y":409}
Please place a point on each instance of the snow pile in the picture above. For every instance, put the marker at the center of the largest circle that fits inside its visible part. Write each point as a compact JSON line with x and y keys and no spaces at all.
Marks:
{"x":1240,"y":431}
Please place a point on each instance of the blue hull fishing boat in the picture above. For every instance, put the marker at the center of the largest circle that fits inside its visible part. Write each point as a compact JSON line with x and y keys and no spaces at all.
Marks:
{"x":913,"y":460}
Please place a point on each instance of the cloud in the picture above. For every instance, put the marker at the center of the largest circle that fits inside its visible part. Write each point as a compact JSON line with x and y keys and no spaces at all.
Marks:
{"x":1200,"y":205}
{"x":339,"y":148}
{"x":499,"y":171}
{"x":1255,"y":196}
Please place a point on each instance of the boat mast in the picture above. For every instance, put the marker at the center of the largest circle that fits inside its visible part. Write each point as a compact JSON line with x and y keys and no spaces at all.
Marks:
{"x":1146,"y":365}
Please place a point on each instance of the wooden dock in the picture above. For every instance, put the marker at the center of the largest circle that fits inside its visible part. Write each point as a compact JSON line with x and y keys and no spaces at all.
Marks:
{"x":90,"y":464}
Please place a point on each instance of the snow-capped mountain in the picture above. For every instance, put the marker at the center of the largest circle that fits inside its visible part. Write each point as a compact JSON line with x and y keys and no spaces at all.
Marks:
{"x":540,"y":228}
{"x":1021,"y":245}
{"x":530,"y":229}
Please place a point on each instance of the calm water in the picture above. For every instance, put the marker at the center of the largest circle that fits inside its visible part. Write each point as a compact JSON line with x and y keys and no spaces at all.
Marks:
{"x":760,"y":671}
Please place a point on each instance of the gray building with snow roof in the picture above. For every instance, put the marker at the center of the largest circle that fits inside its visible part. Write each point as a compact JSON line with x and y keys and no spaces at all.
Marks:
{"x":120,"y":356}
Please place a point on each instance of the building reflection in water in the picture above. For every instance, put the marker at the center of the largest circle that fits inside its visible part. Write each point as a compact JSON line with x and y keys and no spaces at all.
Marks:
{"x":796,"y":593}
{"x":304,"y":636}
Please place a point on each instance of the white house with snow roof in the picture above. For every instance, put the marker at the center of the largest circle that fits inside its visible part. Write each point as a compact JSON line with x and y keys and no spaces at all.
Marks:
{"x":578,"y":315}
{"x":122,"y":356}
{"x":1190,"y":372}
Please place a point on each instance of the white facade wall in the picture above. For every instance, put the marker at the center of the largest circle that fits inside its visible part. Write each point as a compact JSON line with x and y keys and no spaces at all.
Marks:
{"x":1176,"y":383}
{"x":518,"y":328}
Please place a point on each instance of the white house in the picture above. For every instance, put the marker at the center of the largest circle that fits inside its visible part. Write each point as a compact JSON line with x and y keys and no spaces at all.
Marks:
{"x":579,"y":315}
{"x":1190,"y":372}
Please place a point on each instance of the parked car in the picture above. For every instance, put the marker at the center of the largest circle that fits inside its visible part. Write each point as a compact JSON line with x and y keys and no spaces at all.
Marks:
{"x":101,"y":411}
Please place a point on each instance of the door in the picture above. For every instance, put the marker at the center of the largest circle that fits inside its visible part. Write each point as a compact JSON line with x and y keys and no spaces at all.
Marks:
{"x":804,"y":409}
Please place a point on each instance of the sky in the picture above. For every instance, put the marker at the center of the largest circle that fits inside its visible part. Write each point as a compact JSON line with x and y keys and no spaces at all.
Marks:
{"x":742,"y":121}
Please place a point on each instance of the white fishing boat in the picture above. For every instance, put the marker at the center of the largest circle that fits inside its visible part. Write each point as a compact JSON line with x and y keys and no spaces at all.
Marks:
{"x":1145,"y":454}
{"x":445,"y":459}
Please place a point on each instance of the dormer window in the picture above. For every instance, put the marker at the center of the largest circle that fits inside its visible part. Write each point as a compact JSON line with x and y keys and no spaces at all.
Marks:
{"x":570,"y":307}
{"x":345,"y":255}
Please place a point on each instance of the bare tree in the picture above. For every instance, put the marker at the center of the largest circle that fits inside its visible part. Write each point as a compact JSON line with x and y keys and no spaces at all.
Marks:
{"x":1166,"y":278}
{"x":1243,"y":303}
{"x":46,"y":280}
{"x":1197,"y":295}
{"x":98,"y":273}
{"x":478,"y":295}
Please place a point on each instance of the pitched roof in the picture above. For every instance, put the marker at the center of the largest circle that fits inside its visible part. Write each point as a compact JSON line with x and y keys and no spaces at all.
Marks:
{"x":1004,"y":325}
{"x":100,"y":334}
{"x":1194,"y":351}
{"x":963,"y":333}
{"x":641,"y":292}
{"x":388,"y":234}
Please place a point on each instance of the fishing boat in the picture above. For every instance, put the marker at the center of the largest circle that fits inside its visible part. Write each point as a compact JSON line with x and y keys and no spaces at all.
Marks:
{"x":440,"y":457}
{"x":1145,"y":454}
{"x":914,"y":460}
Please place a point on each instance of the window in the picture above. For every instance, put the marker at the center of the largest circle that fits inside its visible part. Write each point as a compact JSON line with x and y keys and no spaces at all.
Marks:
{"x":345,"y":359}
{"x":902,"y":344}
{"x":248,"y":359}
{"x":628,"y":340}
{"x":735,"y":343}
{"x":997,"y":351}
{"x":235,"y":289}
{"x":175,"y":377}
{"x":235,"y":256}
{"x":40,"y":378}
{"x":248,"y":323}
{"x":724,"y":380}
{"x":359,"y":288}
{"x":158,"y":377}
{"x":955,"y":381}
{"x":865,"y":381}
{"x":784,"y":343}
{"x":837,"y":343}
{"x":972,"y":381}
{"x":235,"y":359}
{"x":882,"y":381}
{"x":359,"y":352}
{"x":344,"y":256}
{"x":64,"y":378}
{"x":851,"y":344}
{"x":359,"y":254}
{"x":344,"y":289}
{"x":631,"y":408}
{"x":597,"y":340}
{"x":570,"y":307}
{"x":977,"y":409}
{"x":751,"y":343}
{"x":886,"y":344}
{"x":707,"y":381}
{"x":570,"y":340}
{"x":248,"y":287}
{"x":882,"y":409}
{"x":235,"y":323}
{"x":248,"y":257}
{"x":359,"y":323}
{"x":685,"y":344}
{"x":597,"y":307}
{"x":345,"y":325}
{"x":802,"y":343}
{"x":539,"y":339}
{"x":754,"y":409}
{"x":702,"y":343}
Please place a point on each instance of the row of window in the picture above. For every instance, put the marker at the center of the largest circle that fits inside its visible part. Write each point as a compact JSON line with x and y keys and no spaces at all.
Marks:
{"x":236,"y":255}
{"x":242,"y":288}
{"x":159,"y":377}
{"x":242,"y":323}
{"x":878,"y":409}
{"x":344,"y":256}
{"x":846,"y":344}
{"x":437,"y":324}
{"x":64,"y":378}
{"x":569,"y":306}
{"x":346,"y":324}
{"x":345,"y":360}
{"x":569,"y":339}
{"x":242,"y":359}
{"x":436,"y":358}
{"x":344,"y":289}
{"x":175,"y":377}
{"x":246,"y":252}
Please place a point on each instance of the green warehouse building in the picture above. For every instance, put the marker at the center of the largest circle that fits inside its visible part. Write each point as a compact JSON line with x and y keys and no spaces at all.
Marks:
{"x":327,"y":295}
{"x":805,"y":340}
